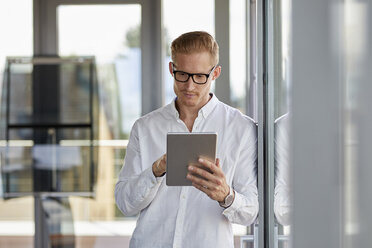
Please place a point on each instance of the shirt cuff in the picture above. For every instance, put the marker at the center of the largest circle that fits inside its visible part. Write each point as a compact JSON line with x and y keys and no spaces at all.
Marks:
{"x":230,"y":211}
{"x":152,"y":179}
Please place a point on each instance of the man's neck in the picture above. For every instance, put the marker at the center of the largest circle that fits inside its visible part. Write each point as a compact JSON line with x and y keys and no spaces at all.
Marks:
{"x":189,"y":114}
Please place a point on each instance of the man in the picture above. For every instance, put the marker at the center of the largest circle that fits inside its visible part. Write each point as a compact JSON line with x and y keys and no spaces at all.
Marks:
{"x":198,"y":216}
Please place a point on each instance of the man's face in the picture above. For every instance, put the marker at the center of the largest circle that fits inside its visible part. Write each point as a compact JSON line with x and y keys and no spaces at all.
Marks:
{"x":190,"y":94}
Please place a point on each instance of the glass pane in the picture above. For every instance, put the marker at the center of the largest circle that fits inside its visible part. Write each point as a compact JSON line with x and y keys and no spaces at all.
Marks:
{"x":237,"y":54}
{"x":175,"y":24}
{"x":65,"y":87}
{"x":16,"y":34}
{"x":282,"y":129}
{"x":357,"y":119}
{"x":54,"y":166}
{"x":110,"y":33}
{"x":16,"y":25}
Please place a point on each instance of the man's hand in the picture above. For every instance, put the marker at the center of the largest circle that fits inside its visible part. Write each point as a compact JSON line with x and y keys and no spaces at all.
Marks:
{"x":160,"y":166}
{"x":213,"y":183}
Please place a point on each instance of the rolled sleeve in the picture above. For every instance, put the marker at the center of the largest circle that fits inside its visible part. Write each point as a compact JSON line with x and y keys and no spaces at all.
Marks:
{"x":136,"y":187}
{"x":149,"y":179}
{"x":242,"y":211}
{"x":244,"y":208}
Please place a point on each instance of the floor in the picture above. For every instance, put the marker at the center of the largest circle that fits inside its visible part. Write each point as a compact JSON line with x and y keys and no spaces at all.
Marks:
{"x":92,"y":234}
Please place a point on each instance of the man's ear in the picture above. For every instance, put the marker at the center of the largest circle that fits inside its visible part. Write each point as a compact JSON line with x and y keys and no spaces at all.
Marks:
{"x":216,"y":72}
{"x":170,"y":68}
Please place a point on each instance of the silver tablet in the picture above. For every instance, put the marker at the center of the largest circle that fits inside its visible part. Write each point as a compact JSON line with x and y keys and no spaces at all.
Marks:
{"x":186,"y":148}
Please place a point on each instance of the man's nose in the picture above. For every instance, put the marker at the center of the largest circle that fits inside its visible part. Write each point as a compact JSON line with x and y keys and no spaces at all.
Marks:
{"x":190,"y":83}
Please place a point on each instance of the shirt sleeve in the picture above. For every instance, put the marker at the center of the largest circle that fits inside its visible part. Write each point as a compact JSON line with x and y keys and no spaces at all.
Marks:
{"x":282,"y":193}
{"x":244,"y":208}
{"x":136,"y":186}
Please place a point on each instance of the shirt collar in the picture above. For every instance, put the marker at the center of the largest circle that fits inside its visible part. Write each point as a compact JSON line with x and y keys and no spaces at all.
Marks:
{"x":173,"y":108}
{"x":208,"y":108}
{"x":205,"y":110}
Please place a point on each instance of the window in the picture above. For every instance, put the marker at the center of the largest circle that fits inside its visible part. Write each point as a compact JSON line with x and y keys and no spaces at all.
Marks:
{"x":175,"y":24}
{"x":16,"y":20}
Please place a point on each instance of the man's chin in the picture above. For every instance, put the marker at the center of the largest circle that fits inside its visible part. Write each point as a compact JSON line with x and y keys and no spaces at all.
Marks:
{"x":188,"y":102}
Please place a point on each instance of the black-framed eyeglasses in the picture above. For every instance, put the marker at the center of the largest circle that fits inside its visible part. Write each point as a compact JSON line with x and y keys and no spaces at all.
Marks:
{"x":198,"y":78}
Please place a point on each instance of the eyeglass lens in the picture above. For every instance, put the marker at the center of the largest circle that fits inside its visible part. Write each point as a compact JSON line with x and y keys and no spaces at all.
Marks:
{"x":197,"y":78}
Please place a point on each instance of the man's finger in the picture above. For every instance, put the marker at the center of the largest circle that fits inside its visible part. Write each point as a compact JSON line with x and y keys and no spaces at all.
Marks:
{"x":205,"y":174}
{"x":164,"y":159}
{"x":201,"y":188}
{"x":210,"y":165}
{"x":209,"y":184}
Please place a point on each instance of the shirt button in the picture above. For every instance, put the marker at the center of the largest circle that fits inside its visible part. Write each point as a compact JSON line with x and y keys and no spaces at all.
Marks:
{"x":183,"y":197}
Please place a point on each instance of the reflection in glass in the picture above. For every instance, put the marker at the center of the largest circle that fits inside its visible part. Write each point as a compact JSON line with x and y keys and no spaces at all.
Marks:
{"x":60,"y":226}
{"x":47,"y":101}
{"x":282,"y":116}
{"x":34,"y":160}
{"x":69,"y":168}
{"x":282,"y":200}
{"x":67,"y":86}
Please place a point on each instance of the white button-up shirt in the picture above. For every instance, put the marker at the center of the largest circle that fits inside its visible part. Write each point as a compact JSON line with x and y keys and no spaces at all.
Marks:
{"x":282,"y":193}
{"x":184,"y":216}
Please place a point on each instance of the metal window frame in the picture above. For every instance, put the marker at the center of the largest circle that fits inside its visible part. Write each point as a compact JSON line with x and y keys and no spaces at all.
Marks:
{"x":261,"y":118}
{"x":268,"y":129}
{"x":222,"y":27}
{"x":272,"y":67}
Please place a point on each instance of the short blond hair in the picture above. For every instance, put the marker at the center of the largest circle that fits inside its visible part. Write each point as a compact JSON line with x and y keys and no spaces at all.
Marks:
{"x":195,"y":42}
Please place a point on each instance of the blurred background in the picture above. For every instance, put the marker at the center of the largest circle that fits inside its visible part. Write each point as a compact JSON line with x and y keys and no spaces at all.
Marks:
{"x":76,"y":74}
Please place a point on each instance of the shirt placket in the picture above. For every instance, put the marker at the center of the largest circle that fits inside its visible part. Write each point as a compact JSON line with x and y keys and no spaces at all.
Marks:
{"x":177,"y":242}
{"x":183,"y":125}
{"x":196,"y":126}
